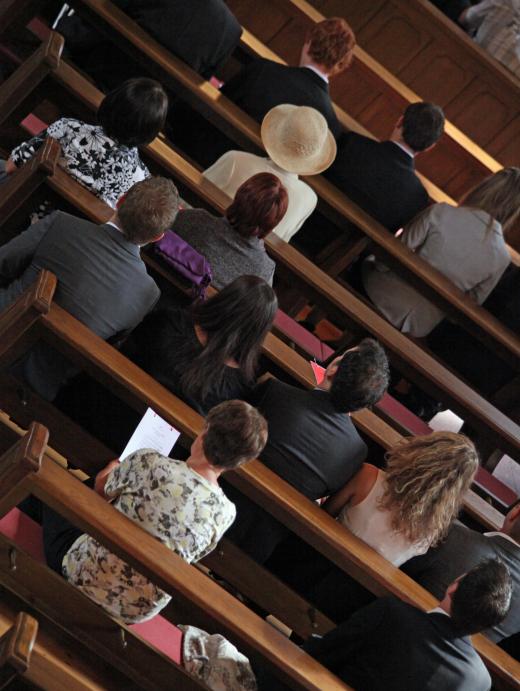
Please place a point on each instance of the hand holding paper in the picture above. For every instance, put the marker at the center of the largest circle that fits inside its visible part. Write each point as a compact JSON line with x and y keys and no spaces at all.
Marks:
{"x":152,"y":433}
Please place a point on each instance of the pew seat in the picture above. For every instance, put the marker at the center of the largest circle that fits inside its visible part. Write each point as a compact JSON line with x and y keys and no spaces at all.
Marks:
{"x":28,"y":535}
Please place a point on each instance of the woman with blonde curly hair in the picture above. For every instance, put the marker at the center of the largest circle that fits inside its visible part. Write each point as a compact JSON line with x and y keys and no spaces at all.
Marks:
{"x":404,"y":510}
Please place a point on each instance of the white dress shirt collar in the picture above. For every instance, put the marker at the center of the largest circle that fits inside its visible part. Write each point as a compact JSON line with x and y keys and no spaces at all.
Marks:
{"x":405,"y":148}
{"x":318,"y":72}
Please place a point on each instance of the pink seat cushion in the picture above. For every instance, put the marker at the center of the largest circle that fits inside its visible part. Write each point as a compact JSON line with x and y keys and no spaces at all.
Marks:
{"x":303,"y":338}
{"x":398,"y":412}
{"x":27,"y":534}
{"x":163,"y":635}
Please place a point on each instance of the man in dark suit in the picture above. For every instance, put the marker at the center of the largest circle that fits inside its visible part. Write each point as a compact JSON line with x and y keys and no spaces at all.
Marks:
{"x":462,"y":549}
{"x":203,"y":33}
{"x":378,"y":176}
{"x":264,"y":84}
{"x":312,"y":444}
{"x":393,"y":646}
{"x":102,"y":280}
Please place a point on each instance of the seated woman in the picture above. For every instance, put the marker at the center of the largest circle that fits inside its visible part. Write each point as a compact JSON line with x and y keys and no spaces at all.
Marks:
{"x":234,"y":244}
{"x":399,"y":512}
{"x":408,"y":507}
{"x":298,"y":142}
{"x":179,"y":503}
{"x":104,"y":157}
{"x":205,"y":354}
{"x":465,"y":243}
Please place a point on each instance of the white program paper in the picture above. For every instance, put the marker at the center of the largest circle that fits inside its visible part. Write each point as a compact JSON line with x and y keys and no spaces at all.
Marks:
{"x":152,"y":433}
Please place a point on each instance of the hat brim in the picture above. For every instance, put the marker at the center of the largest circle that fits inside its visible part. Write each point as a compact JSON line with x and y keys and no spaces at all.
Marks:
{"x":271,"y":139}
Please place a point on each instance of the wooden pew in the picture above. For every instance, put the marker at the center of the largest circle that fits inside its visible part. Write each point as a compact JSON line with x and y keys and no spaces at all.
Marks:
{"x":16,"y":646}
{"x":326,"y":292}
{"x":472,"y":317}
{"x":227,"y":116}
{"x":56,"y":663}
{"x":368,"y":92}
{"x":16,"y":13}
{"x":285,"y":503}
{"x":24,"y":182}
{"x":438,"y":60}
{"x":196,"y":598}
{"x":278,"y":352}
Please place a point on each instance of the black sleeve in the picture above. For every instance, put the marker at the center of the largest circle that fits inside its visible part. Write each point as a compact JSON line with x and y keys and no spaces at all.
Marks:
{"x":334,"y":649}
{"x":233,"y":87}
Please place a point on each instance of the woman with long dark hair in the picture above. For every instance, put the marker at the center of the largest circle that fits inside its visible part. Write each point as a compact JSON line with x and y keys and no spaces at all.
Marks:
{"x":209,"y":352}
{"x":205,"y":354}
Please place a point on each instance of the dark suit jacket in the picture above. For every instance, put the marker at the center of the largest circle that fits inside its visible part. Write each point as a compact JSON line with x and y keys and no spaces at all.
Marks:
{"x":203,"y":33}
{"x":392,"y":646}
{"x":380,"y":177}
{"x":102,"y":281}
{"x":310,"y":445}
{"x":263,"y":84}
{"x":461,"y":551}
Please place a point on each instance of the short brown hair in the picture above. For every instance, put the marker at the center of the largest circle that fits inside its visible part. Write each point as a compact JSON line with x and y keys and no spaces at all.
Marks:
{"x":235,"y":433}
{"x":259,"y":205}
{"x":148,"y":209}
{"x":332,"y":41}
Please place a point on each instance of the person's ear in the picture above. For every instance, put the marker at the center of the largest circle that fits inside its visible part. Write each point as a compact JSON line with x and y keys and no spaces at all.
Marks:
{"x":159,"y":237}
{"x":450,"y":591}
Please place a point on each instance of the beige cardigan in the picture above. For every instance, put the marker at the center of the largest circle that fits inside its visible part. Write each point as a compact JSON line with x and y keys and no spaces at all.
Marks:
{"x":459,"y":243}
{"x":235,"y":167}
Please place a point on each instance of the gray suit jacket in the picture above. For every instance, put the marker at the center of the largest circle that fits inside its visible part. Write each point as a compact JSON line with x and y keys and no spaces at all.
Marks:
{"x":102,"y":281}
{"x":459,"y":242}
{"x":462,"y":550}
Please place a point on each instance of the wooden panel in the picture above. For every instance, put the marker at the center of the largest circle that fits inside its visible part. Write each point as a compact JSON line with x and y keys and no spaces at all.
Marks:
{"x":387,"y":30}
{"x":447,"y":76}
{"x":480,"y":112}
{"x":357,"y":13}
{"x":248,"y":15}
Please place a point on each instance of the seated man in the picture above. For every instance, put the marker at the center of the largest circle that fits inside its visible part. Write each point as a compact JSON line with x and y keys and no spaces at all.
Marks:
{"x":461,"y":551}
{"x":203,"y":33}
{"x":392,"y":645}
{"x":102,"y":280}
{"x":179,"y":503}
{"x":313,"y":444}
{"x":263,"y":84}
{"x":380,"y":176}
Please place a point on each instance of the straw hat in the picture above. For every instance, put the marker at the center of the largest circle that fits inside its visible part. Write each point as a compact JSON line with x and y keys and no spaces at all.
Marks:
{"x":298,"y":140}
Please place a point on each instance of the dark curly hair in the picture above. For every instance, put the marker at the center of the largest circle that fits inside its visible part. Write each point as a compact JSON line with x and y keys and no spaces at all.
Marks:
{"x":362,"y":378}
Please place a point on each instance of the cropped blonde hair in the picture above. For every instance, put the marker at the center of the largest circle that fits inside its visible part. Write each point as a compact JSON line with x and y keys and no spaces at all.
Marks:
{"x":498,"y":195}
{"x":426,"y":478}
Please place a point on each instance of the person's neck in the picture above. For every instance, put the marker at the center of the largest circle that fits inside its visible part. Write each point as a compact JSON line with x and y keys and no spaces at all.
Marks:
{"x":321,"y":71}
{"x":400,"y":142}
{"x":201,"y":466}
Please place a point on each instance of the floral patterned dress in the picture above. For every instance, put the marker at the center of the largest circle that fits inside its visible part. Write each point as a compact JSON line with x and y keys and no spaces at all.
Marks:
{"x":98,"y":162}
{"x":170,"y":501}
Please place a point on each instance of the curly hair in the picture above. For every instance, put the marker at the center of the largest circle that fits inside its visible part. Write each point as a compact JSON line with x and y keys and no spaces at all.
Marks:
{"x":426,"y":478}
{"x":332,"y":41}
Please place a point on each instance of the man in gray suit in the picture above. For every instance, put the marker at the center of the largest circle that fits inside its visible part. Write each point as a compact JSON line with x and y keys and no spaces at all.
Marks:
{"x":102,"y":280}
{"x":461,"y":551}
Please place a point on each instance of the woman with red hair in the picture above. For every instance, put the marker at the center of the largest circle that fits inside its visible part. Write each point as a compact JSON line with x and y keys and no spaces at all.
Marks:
{"x":234,"y":244}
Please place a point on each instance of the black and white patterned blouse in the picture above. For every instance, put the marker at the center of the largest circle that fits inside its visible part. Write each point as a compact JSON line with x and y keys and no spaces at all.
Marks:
{"x":98,"y":162}
{"x":170,"y":501}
